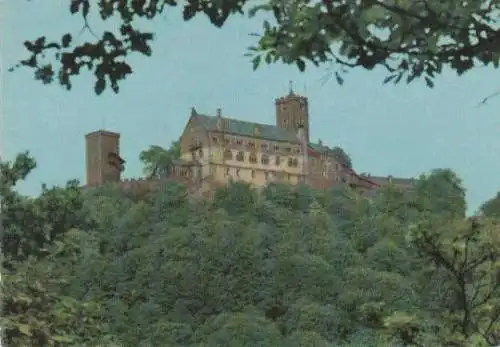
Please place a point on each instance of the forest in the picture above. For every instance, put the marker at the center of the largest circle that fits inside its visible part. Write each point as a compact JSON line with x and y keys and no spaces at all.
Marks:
{"x":288,"y":266}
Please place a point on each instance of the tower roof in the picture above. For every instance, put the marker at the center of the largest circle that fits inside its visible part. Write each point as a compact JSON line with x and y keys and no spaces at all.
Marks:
{"x":291,"y":95}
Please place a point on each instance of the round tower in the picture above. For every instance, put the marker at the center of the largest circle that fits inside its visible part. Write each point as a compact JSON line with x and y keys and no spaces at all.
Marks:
{"x":292,"y":113}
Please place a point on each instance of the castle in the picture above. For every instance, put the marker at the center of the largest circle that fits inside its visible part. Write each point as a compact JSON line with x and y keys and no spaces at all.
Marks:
{"x":216,"y":150}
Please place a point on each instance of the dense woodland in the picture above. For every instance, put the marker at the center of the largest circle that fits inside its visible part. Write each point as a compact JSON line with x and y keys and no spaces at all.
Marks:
{"x":287,"y":267}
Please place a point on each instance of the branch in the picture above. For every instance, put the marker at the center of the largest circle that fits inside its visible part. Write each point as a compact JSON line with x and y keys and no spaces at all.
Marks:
{"x":485,"y":100}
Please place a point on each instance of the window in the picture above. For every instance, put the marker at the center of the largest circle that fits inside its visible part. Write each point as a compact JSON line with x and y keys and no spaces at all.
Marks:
{"x":200,"y":153}
{"x":288,"y":149}
{"x":238,"y":172}
{"x":215,"y":139}
{"x":252,"y":158}
{"x":276,"y":148}
{"x":297,"y":150}
{"x":266,"y":174}
{"x":264,"y":146}
{"x":324,"y":173}
{"x":277,"y":160}
{"x":289,"y":177}
{"x":227,"y":172}
{"x":290,"y":162}
{"x":251,"y":144}
{"x":228,"y":155}
{"x":264,"y":159}
{"x":285,"y":122}
{"x":293,"y":162}
{"x":227,"y":141}
{"x":240,"y":156}
{"x":253,"y":173}
{"x":239,"y":142}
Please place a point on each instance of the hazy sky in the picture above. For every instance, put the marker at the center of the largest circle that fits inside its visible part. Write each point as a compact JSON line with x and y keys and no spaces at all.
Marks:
{"x":400,"y":130}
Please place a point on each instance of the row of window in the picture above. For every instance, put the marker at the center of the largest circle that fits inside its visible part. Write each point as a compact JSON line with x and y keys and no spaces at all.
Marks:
{"x":264,"y":158}
{"x":252,"y":158}
{"x":252,"y":145}
{"x":268,"y":175}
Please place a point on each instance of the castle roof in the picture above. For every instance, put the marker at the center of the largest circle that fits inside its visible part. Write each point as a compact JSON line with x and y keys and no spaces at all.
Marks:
{"x":249,"y":129}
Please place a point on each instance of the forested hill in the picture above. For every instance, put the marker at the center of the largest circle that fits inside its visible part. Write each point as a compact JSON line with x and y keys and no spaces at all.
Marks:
{"x":290,"y":267}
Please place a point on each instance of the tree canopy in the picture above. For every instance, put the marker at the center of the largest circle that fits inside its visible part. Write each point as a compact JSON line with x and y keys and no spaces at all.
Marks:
{"x":287,"y":266}
{"x":410,"y":39}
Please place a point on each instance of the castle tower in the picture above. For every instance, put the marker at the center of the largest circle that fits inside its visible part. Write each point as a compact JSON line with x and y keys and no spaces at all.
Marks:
{"x":102,"y":154}
{"x":292,"y":112}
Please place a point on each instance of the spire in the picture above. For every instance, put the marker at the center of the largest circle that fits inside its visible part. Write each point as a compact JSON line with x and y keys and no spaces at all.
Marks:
{"x":291,"y":88}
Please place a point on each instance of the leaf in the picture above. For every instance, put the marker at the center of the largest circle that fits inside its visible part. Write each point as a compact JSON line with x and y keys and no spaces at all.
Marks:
{"x":339,"y":78}
{"x":66,"y":40}
{"x":256,"y":62}
{"x":389,"y":78}
{"x":301,"y":65}
{"x":75,"y":5}
{"x":429,"y":82}
{"x":24,"y":329}
{"x":100,"y":84}
{"x":86,"y":7}
{"x":189,"y":12}
{"x":60,"y":338}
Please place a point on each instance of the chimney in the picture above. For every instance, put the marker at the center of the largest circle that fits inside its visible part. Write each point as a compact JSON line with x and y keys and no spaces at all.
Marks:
{"x":102,"y":154}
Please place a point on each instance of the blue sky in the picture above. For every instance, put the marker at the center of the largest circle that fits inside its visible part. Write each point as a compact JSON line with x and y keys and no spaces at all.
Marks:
{"x":400,"y":130}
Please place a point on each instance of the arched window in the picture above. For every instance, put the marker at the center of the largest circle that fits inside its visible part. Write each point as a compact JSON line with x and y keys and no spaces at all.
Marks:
{"x":228,"y":155}
{"x":240,"y":156}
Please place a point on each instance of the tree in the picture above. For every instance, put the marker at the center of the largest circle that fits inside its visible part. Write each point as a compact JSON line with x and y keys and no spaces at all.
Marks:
{"x":157,"y":160}
{"x":491,"y":208}
{"x":40,"y":247}
{"x":410,"y":39}
{"x":283,"y":266}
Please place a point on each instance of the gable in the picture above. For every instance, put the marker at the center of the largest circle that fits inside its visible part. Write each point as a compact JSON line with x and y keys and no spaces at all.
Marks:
{"x":192,"y":129}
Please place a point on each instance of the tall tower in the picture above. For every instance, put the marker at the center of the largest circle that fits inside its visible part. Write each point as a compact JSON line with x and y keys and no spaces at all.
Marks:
{"x":102,"y":154}
{"x":292,"y":112}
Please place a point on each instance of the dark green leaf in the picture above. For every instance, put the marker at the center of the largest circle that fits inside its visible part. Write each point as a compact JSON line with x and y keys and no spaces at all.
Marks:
{"x":340,"y":79}
{"x":100,"y":85}
{"x":429,"y":82}
{"x":389,"y":78}
{"x":301,"y":65}
{"x":256,"y":62}
{"x":66,"y":40}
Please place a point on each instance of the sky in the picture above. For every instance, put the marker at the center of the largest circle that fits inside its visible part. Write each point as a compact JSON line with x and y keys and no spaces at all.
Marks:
{"x":402,"y":130}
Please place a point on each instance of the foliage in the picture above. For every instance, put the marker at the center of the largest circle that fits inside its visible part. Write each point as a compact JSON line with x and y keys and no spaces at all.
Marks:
{"x":286,"y":266}
{"x":410,"y":39}
{"x":157,"y":160}
{"x":38,"y":253}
